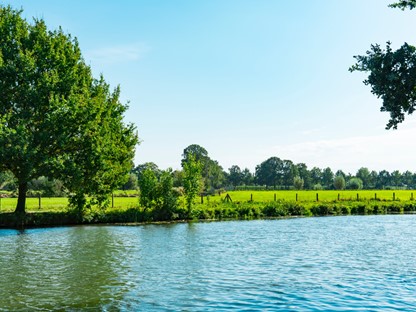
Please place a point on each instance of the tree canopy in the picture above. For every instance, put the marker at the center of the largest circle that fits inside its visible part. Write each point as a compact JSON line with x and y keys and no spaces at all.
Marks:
{"x":404,"y":4}
{"x":212,"y":173}
{"x":56,"y":119}
{"x":392,"y":75}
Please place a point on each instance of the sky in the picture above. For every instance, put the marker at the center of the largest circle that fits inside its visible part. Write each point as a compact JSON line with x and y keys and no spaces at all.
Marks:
{"x":245,"y":79}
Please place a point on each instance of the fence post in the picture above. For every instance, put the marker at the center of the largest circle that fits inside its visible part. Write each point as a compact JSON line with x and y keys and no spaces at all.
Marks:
{"x":338,"y":196}
{"x":358,"y":197}
{"x":251,"y":197}
{"x":202,"y":199}
{"x":112,"y":200}
{"x":317,"y":197}
{"x":275,"y":197}
{"x":375,"y":196}
{"x":40,"y":202}
{"x":394,"y":196}
{"x":296,"y":196}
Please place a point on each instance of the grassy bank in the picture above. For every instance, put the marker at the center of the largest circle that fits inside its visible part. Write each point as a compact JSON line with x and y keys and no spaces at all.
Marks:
{"x":213,"y":210}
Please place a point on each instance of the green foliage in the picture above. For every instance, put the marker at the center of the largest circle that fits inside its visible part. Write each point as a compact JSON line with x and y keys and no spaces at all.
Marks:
{"x":167,"y":198}
{"x":157,"y":194}
{"x":270,"y":172}
{"x":365,"y":175}
{"x":327,"y":178}
{"x":191,"y":179}
{"x":132,"y":182}
{"x":404,"y":4}
{"x":7,"y":181}
{"x":392,"y":78}
{"x":392,"y":75}
{"x":355,"y":184}
{"x":211,"y":172}
{"x":298,"y":183}
{"x":56,"y":120}
{"x":318,"y":187}
{"x":148,"y":184}
{"x":339,"y":182}
{"x":235,"y":176}
{"x":47,"y":187}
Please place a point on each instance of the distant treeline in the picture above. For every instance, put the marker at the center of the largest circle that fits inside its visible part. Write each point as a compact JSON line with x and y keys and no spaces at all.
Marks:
{"x":273,"y":173}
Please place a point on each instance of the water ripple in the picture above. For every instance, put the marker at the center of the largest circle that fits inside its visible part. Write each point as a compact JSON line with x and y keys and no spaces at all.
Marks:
{"x":312,"y":264}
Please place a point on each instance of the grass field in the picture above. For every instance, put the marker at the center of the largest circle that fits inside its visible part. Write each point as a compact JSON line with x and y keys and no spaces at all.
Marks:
{"x":60,"y":203}
{"x":308,"y":196}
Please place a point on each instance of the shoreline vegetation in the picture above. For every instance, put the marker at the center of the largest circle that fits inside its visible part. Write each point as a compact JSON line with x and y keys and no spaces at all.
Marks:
{"x":234,"y":205}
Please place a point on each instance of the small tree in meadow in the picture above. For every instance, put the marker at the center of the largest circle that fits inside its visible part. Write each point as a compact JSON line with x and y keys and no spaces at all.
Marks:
{"x":148,"y":188}
{"x":191,"y":179}
{"x":298,"y":183}
{"x":339,"y":182}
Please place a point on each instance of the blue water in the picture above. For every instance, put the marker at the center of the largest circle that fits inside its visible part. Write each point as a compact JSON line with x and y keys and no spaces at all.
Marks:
{"x":364,"y":263}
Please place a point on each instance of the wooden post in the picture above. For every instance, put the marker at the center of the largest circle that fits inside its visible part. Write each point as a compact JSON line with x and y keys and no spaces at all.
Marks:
{"x":394,"y":196}
{"x":358,"y":197}
{"x":40,"y":202}
{"x":296,"y":196}
{"x":317,"y":197}
{"x":375,"y":196}
{"x":202,"y":199}
{"x":275,"y":197}
{"x":112,"y":200}
{"x":251,"y":197}
{"x":338,"y":196}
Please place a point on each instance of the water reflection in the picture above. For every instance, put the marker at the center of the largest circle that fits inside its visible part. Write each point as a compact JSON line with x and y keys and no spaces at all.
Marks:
{"x":72,"y":268}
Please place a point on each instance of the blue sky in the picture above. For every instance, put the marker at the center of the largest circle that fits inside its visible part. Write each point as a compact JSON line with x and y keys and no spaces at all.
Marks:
{"x":246,"y":80}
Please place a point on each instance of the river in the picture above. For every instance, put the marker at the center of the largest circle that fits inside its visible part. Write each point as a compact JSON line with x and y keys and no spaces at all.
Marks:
{"x":304,"y":264}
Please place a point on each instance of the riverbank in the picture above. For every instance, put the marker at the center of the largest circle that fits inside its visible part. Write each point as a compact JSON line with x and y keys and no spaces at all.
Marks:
{"x":210,"y":211}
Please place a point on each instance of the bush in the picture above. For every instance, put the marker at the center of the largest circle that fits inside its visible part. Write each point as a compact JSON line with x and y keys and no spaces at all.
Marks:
{"x":339,"y":182}
{"x":355,"y":184}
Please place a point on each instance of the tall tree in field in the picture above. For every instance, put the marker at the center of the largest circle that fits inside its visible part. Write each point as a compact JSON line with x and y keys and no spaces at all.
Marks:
{"x":247,"y":176}
{"x":327,"y":178}
{"x":56,"y":120}
{"x":212,"y":173}
{"x":191,"y":180}
{"x":235,"y":176}
{"x":392,"y":75}
{"x":316,"y":176}
{"x":270,"y":172}
{"x":304,"y":173}
{"x":364,"y":174}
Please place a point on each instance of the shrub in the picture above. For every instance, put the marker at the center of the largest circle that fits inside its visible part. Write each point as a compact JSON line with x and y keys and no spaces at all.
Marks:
{"x":339,"y":182}
{"x":355,"y":184}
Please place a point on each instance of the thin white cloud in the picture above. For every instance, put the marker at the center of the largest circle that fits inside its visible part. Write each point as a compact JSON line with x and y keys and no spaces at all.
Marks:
{"x":391,"y":150}
{"x":117,"y":53}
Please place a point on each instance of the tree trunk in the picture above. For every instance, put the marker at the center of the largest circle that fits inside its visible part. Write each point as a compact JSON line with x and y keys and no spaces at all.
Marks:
{"x":21,"y":201}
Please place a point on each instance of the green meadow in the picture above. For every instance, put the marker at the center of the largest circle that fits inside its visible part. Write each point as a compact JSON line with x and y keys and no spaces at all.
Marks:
{"x":312,"y":196}
{"x":126,"y":200}
{"x":58,"y":204}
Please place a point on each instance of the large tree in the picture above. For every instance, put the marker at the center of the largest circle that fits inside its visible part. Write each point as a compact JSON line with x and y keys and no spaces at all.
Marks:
{"x":392,"y":75}
{"x":56,"y":120}
{"x":212,"y":173}
{"x":270,"y":172}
